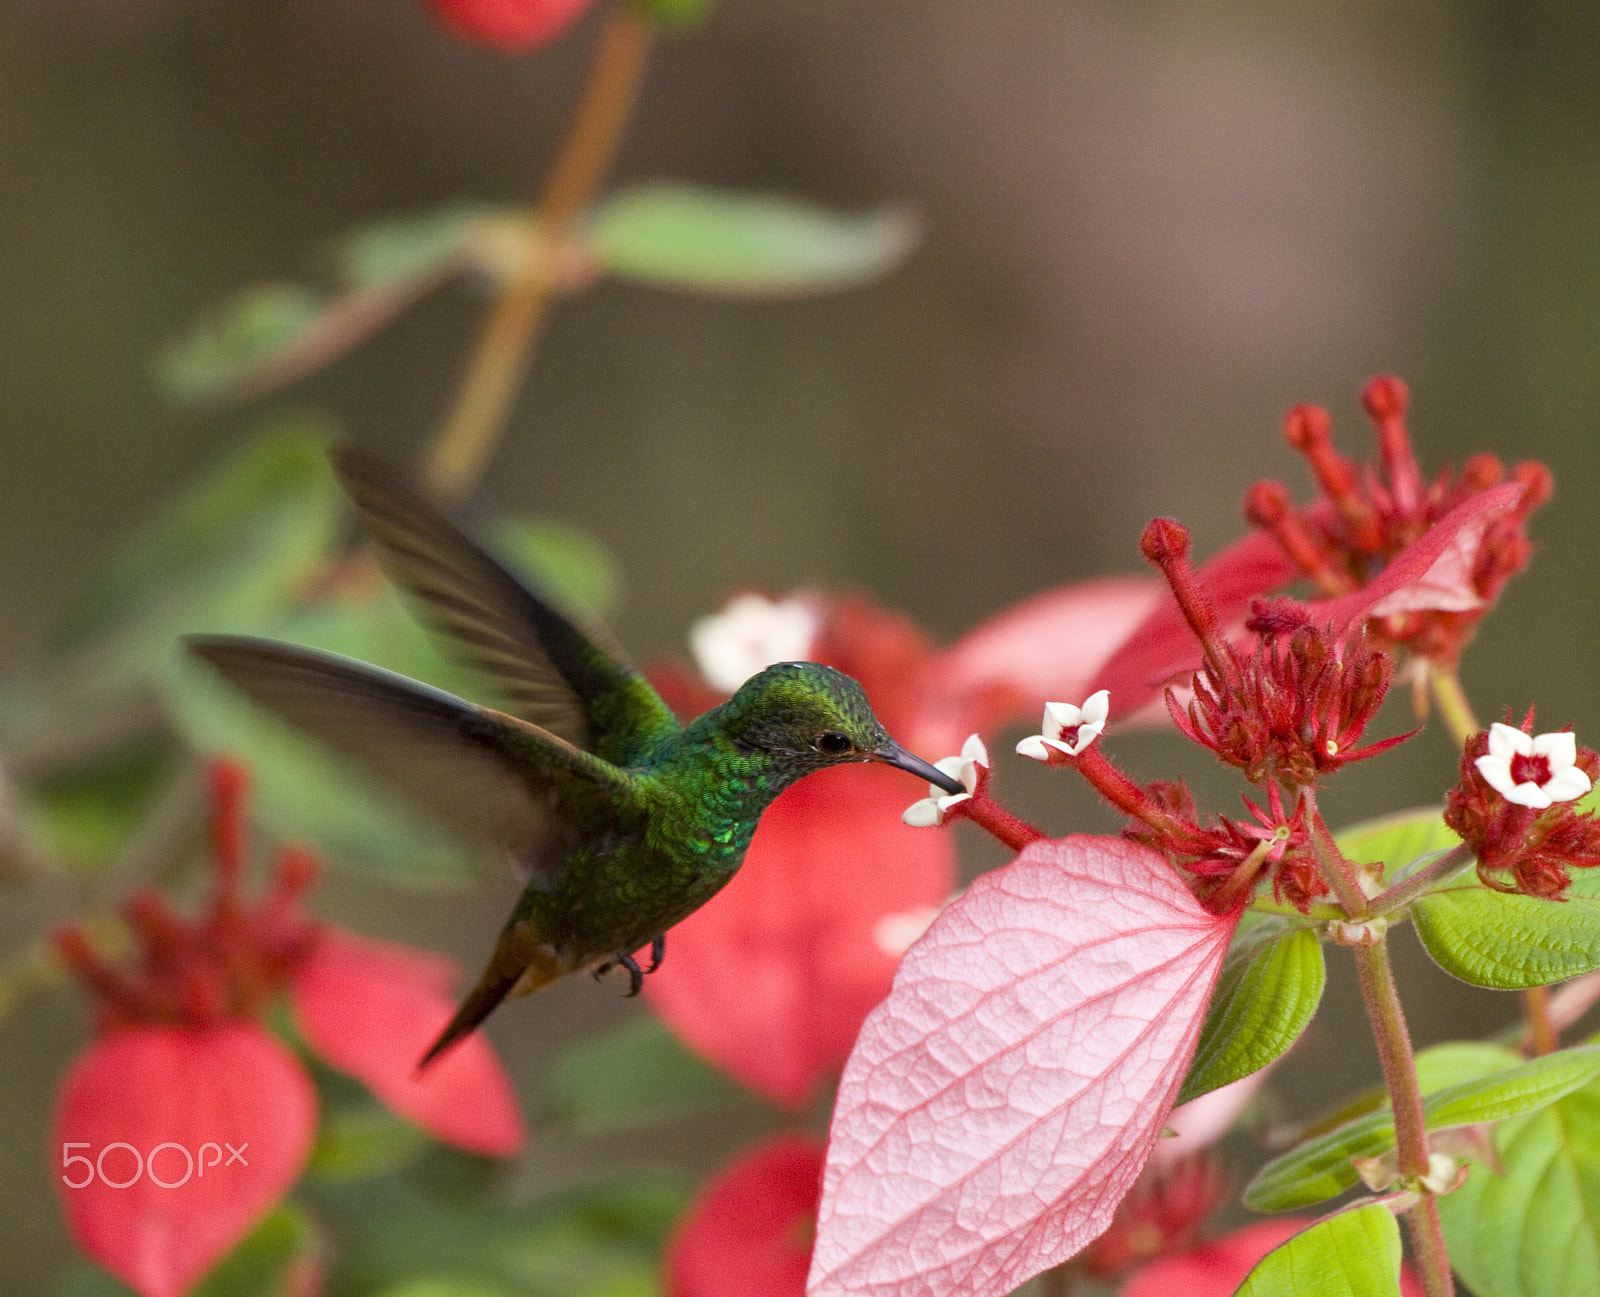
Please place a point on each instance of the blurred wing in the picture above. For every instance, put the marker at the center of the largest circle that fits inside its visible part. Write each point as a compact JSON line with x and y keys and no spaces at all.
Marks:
{"x":575,"y":683}
{"x":494,"y":779}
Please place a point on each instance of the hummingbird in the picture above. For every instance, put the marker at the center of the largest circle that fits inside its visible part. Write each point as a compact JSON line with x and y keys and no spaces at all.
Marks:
{"x":623,"y":820}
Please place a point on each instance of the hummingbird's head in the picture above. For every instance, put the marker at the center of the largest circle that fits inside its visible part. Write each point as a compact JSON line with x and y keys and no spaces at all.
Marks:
{"x":808,"y":716}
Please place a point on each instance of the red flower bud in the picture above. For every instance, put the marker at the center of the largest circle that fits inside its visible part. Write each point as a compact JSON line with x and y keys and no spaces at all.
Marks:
{"x":513,"y":26}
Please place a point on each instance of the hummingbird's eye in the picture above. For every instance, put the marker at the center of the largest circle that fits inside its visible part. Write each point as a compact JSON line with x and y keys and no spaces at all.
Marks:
{"x":834,"y":743}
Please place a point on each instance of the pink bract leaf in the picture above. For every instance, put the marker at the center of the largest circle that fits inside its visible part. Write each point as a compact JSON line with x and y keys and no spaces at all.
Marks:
{"x":1048,"y":648}
{"x":748,"y":1234}
{"x":371,"y":1008}
{"x":771,"y":980}
{"x":1217,"y":1268}
{"x":1433,"y":572}
{"x":1163,"y":645}
{"x":1002,"y":1100}
{"x":171,"y":1143}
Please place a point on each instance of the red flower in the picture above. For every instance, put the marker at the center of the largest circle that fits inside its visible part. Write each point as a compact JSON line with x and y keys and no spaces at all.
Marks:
{"x":749,"y":1232}
{"x":185,"y":1120}
{"x":514,"y":26}
{"x":772,"y":980}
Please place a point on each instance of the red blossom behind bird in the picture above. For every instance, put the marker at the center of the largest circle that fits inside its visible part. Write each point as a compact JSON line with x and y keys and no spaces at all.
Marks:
{"x":181,"y":1068}
{"x":512,"y":26}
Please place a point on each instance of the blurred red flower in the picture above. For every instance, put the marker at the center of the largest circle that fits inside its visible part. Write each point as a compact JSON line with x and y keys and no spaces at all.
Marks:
{"x":749,"y":1232}
{"x":185,"y":1120}
{"x":514,"y":26}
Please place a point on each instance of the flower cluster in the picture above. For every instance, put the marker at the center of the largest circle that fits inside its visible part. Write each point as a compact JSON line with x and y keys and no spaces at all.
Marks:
{"x":1367,"y":516}
{"x":1514,"y":808}
{"x":182,"y":1066}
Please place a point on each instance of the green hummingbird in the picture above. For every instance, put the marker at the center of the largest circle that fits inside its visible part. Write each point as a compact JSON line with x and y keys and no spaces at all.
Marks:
{"x":624,"y":821}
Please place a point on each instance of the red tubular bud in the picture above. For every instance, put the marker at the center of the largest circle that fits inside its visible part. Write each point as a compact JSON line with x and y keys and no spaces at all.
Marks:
{"x":1538,"y":485}
{"x":1267,"y":505}
{"x":1165,"y":540}
{"x":1166,"y":544}
{"x":228,"y":781}
{"x":1309,"y":429}
{"x":1385,"y":399}
{"x":164,"y":934}
{"x":77,"y":952}
{"x":1481,"y":472}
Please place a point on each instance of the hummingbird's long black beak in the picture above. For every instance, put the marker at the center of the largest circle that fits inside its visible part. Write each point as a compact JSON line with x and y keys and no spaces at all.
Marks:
{"x":897,"y":756}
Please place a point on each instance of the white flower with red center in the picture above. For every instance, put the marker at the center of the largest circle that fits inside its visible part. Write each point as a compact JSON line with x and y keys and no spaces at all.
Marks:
{"x":930,"y":811}
{"x":1068,"y":729}
{"x":750,"y":634}
{"x":1533,"y":770}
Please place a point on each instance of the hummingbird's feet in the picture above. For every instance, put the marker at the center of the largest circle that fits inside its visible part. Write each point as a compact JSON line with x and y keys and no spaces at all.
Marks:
{"x":636,"y":975}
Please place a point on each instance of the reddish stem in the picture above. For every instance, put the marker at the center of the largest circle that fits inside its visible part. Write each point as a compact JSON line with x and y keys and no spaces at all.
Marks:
{"x":992,"y":817}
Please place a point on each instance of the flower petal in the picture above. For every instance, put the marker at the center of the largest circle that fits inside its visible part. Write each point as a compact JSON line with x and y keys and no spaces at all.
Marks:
{"x":1567,"y":785}
{"x":1049,"y":646}
{"x":371,"y":1008}
{"x":186,"y":1139}
{"x":1033,"y":747}
{"x":923,"y":814}
{"x":748,"y":1233}
{"x":1559,"y":747}
{"x":1496,"y":772}
{"x":771,"y":979}
{"x":1528,"y":794}
{"x":1505,"y":742}
{"x":1004,"y":1097}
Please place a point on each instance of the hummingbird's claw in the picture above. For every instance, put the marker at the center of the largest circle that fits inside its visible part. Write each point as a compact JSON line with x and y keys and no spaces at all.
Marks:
{"x":658,"y":951}
{"x":897,"y":756}
{"x":635,"y":974}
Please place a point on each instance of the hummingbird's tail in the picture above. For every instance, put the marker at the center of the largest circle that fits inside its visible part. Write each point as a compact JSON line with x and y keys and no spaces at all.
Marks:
{"x":521,"y":963}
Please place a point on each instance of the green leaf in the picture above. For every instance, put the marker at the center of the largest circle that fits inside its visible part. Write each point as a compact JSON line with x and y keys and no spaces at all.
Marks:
{"x":444,"y":1285}
{"x":1270,"y":987}
{"x":1398,"y":840}
{"x":364,"y":1140}
{"x":677,"y":15}
{"x":79,"y":818}
{"x":229,"y":554}
{"x":743,"y":245}
{"x":301,"y":790}
{"x":1352,"y":1253}
{"x":1321,"y":1168}
{"x":1509,"y":942}
{"x":271,"y":334}
{"x":1535,"y":1230}
{"x":633,"y":1075}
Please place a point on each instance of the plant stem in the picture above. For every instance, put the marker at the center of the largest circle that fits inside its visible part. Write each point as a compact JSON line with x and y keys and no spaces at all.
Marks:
{"x":1451,"y":699}
{"x":1339,"y":873}
{"x":506,"y":343}
{"x":1541,"y":1035}
{"x":1382,"y":1002}
{"x":1455,"y":861}
{"x":989,"y":815}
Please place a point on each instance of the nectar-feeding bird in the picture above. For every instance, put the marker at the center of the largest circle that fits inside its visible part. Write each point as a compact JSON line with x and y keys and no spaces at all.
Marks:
{"x":624,"y":820}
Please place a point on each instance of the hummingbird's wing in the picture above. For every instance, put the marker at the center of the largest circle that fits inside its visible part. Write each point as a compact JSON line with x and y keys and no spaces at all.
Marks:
{"x":575,"y":683}
{"x":497,"y":780}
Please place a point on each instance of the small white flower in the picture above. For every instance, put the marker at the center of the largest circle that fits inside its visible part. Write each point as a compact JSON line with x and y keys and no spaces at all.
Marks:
{"x":894,"y":934}
{"x":750,"y":634}
{"x":1534,"y":771}
{"x":1059,"y":719}
{"x":930,"y":810}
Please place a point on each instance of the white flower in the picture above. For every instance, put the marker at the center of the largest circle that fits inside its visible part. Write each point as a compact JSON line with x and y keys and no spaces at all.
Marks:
{"x":894,"y":934}
{"x":1533,"y":771}
{"x":930,"y":810}
{"x":750,"y":634}
{"x":1059,"y":718}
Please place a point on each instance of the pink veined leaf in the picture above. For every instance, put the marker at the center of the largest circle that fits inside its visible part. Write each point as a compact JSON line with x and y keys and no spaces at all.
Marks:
{"x":1433,"y":572}
{"x":371,"y":1008}
{"x":771,"y":980}
{"x":1163,"y":645}
{"x":1217,"y":1268}
{"x":171,"y":1143}
{"x":748,"y":1234}
{"x":1047,"y":648}
{"x":1002,"y":1100}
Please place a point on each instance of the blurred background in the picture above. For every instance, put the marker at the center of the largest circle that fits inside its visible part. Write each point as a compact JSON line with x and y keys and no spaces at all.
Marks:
{"x":1149,"y":229}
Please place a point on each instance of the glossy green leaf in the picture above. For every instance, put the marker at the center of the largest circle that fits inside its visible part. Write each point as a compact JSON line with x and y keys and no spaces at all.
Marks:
{"x":1508,"y":942}
{"x":229,"y":554}
{"x":1320,"y":1168}
{"x":1535,"y":1230}
{"x":1270,"y":987}
{"x":1352,"y":1253}
{"x":268,"y":335}
{"x":1398,"y":840}
{"x":743,"y":245}
{"x":633,"y":1075}
{"x":300,"y":789}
